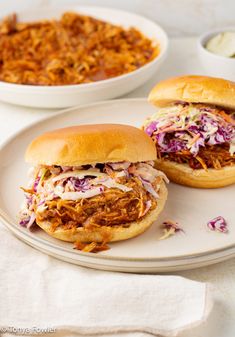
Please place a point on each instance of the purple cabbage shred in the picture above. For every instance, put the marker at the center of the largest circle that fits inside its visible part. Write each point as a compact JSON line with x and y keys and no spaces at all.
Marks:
{"x":218,"y":224}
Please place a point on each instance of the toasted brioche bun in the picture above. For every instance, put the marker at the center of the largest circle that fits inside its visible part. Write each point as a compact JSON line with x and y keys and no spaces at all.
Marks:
{"x":90,"y":144}
{"x":107,"y":233}
{"x":194,"y":89}
{"x":184,"y":175}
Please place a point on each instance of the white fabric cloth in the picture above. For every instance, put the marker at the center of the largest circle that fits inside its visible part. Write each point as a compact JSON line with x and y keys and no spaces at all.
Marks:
{"x":39,"y":291}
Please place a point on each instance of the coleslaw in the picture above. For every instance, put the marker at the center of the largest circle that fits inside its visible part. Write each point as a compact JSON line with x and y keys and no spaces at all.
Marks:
{"x":189,"y":127}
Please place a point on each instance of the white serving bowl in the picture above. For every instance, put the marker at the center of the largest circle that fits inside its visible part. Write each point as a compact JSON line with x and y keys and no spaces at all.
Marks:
{"x":216,"y":65}
{"x":70,"y":95}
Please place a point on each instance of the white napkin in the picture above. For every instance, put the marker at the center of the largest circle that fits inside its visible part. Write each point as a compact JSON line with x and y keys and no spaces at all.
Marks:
{"x":39,"y":291}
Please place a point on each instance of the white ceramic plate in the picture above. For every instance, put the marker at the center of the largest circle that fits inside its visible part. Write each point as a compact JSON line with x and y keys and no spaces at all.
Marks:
{"x":71,"y":95}
{"x":192,"y":208}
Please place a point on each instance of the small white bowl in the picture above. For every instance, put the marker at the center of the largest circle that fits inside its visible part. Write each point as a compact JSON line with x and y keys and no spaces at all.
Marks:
{"x":70,"y":95}
{"x":216,"y":65}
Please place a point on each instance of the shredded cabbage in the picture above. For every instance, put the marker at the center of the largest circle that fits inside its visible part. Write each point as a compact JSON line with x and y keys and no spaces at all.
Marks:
{"x":76,"y":183}
{"x":218,"y":224}
{"x":232,"y":147}
{"x":80,"y":195}
{"x":150,"y":189}
{"x":170,"y":228}
{"x":110,"y":183}
{"x":28,"y":220}
{"x":79,"y":174}
{"x":120,"y":166}
{"x":189,"y":127}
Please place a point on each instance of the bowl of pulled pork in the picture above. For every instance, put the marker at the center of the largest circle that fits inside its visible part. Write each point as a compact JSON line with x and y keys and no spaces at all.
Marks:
{"x":53,"y":58}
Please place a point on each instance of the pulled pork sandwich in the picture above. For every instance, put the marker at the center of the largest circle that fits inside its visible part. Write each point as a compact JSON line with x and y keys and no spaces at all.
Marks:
{"x":194,"y":130}
{"x":93,"y":183}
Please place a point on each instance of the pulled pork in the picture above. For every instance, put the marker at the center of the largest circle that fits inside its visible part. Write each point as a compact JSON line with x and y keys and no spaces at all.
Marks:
{"x":71,"y":50}
{"x":215,"y":156}
{"x":111,"y":208}
{"x":93,"y":247}
{"x":111,"y":194}
{"x":201,"y":136}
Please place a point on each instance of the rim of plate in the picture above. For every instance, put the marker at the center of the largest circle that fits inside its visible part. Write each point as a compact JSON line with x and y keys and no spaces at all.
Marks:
{"x":16,"y":229}
{"x":159,"y":58}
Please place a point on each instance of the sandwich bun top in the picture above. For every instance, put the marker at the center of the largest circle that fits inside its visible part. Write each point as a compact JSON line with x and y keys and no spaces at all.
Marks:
{"x":91,"y":144}
{"x":194,"y":89}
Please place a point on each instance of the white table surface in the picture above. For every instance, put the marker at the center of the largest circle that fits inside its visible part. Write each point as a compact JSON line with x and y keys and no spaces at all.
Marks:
{"x":182,"y":60}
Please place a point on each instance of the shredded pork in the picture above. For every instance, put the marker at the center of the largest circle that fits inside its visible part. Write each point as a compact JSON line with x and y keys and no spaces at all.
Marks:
{"x":215,"y":156}
{"x":93,"y":247}
{"x":71,"y":50}
{"x":207,"y":155}
{"x":111,"y":208}
{"x":64,"y":197}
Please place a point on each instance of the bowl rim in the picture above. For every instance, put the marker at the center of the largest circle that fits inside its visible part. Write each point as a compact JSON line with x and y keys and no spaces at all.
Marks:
{"x":203,"y":38}
{"x":93,"y":85}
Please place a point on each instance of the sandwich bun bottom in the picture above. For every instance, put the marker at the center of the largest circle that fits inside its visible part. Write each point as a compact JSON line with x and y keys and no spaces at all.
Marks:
{"x":108,"y":233}
{"x":184,"y":175}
